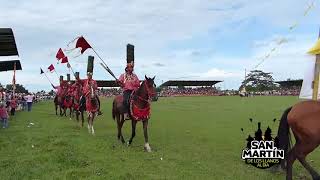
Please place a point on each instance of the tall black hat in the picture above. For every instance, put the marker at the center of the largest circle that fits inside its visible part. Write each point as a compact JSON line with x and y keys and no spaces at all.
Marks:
{"x":130,"y":55}
{"x":90,"y":65}
{"x":77,"y":74}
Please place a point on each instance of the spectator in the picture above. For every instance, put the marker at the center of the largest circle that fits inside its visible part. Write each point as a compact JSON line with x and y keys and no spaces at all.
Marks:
{"x":29,"y":99}
{"x":13,"y":105}
{"x":4,"y":115}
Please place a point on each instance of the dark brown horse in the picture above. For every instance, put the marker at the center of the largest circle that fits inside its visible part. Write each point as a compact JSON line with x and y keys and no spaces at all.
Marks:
{"x":304,"y":120}
{"x":80,"y":109}
{"x":140,"y":99}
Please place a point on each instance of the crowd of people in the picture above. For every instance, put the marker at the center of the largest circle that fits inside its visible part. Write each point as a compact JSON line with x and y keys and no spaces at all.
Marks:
{"x":203,"y":91}
{"x":292,"y":91}
{"x":109,"y":92}
{"x":10,"y":103}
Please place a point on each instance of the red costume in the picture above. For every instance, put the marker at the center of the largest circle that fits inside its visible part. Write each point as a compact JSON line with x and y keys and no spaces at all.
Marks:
{"x":77,"y":93}
{"x":87,"y":85}
{"x":129,"y":81}
{"x":62,"y":89}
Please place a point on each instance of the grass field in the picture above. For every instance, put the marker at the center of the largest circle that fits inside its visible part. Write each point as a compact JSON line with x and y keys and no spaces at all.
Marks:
{"x":197,"y":137}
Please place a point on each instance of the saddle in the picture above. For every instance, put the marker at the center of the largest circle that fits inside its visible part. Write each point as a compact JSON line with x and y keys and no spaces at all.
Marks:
{"x":137,"y":113}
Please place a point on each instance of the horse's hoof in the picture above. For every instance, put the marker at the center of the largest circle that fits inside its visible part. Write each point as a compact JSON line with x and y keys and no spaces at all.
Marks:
{"x":147,"y":147}
{"x":147,"y":150}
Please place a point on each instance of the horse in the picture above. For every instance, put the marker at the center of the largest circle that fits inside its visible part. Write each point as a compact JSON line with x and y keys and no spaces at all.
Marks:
{"x":140,"y":100}
{"x":303,"y":119}
{"x":68,"y":104}
{"x":92,"y":108}
{"x":58,"y":101}
{"x":80,"y":108}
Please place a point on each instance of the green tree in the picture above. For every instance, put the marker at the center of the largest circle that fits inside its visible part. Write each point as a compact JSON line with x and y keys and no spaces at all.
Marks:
{"x":19,"y":88}
{"x":258,"y":81}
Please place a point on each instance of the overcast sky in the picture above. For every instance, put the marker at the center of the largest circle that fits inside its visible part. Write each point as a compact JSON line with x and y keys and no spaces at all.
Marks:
{"x":194,"y":39}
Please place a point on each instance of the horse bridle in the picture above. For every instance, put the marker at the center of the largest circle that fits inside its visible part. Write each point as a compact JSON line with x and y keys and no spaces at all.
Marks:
{"x":149,"y":93}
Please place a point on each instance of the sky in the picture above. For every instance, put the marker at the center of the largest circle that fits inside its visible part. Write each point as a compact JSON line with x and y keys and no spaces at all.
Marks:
{"x":174,"y":40}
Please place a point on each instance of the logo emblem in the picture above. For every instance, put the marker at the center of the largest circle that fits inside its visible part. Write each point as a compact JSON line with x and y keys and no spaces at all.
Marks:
{"x":262,"y":151}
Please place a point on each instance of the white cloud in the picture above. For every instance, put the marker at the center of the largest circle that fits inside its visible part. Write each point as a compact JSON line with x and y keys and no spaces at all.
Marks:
{"x":218,"y":73}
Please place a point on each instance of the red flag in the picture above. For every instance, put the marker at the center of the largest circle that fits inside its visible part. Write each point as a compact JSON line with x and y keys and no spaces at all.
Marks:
{"x":64,"y":60}
{"x":51,"y":68}
{"x":60,"y":54}
{"x":83,"y":44}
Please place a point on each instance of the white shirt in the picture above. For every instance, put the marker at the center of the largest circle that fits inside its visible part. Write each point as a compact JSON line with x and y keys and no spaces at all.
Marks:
{"x":29,"y":98}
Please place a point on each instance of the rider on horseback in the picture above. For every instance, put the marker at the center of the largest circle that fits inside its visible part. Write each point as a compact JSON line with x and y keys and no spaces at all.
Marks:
{"x":77,"y":90}
{"x":61,"y":90}
{"x":129,"y":82}
{"x":90,"y":88}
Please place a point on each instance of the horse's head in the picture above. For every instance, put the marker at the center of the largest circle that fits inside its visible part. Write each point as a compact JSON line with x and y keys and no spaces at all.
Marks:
{"x":149,"y":86}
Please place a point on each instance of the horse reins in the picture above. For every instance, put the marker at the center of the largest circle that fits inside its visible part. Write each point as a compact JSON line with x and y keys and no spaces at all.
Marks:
{"x":149,"y":93}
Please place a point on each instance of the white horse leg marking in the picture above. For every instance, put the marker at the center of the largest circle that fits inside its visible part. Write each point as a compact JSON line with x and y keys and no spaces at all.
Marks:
{"x":92,"y":129}
{"x":147,"y":147}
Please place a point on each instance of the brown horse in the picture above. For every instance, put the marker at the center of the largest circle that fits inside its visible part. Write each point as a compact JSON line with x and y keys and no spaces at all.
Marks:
{"x":92,"y":108}
{"x":304,"y":120}
{"x":58,"y":102}
{"x":68,"y":104}
{"x":140,"y":99}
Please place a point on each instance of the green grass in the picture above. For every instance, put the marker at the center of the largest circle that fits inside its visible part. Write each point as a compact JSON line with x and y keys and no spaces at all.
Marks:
{"x":197,"y":137}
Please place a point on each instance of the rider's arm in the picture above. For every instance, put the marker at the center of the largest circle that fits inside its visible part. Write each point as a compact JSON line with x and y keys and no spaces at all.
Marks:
{"x":121,"y":80}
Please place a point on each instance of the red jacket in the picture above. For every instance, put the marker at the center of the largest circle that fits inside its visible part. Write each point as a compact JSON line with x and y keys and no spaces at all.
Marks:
{"x":86,"y":86}
{"x":130,"y":82}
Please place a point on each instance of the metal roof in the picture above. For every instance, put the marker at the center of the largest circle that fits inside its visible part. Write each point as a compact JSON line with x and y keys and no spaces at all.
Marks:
{"x":189,"y":83}
{"x":289,"y":83}
{"x":9,"y":65}
{"x":7,"y":43}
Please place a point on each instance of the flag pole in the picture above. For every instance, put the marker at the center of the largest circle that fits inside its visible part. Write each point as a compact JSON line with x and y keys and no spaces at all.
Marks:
{"x":70,"y":68}
{"x":56,"y":73}
{"x":104,"y":65}
{"x":14,"y":80}
{"x":47,"y":78}
{"x":42,"y":72}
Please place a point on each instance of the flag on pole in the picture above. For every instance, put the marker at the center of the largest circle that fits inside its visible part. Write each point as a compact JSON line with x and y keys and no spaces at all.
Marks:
{"x":51,"y":68}
{"x":64,"y":60}
{"x":83,"y":44}
{"x":315,"y":49}
{"x":60,"y":54}
{"x":41,"y":71}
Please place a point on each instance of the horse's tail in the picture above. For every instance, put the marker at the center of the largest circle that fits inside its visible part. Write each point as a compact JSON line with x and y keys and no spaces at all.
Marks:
{"x":284,"y":135}
{"x":114,"y":109}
